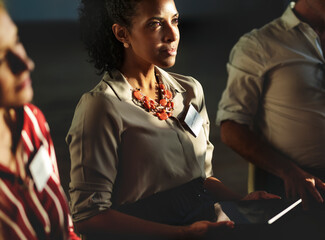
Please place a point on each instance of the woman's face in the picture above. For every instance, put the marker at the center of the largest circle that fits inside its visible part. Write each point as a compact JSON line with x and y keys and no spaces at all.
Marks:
{"x":15,"y":66}
{"x":154,"y":34}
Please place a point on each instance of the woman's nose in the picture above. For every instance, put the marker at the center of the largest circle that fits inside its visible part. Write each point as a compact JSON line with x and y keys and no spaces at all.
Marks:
{"x":172,"y":33}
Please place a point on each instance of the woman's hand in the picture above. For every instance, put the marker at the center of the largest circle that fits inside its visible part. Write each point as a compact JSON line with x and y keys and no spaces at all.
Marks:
{"x":201,"y":229}
{"x":260,"y":195}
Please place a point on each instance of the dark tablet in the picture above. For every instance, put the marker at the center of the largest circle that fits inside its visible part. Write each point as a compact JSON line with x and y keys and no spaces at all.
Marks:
{"x":289,"y":221}
{"x":258,"y":211}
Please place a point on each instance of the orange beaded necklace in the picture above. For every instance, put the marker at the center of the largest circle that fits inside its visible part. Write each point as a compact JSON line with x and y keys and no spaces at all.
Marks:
{"x":163,"y":110}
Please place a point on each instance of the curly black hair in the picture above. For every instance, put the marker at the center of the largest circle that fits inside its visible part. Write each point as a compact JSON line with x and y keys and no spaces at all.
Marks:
{"x":96,"y":20}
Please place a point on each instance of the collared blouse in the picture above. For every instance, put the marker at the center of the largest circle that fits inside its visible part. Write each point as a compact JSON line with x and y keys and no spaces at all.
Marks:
{"x":121,"y":153}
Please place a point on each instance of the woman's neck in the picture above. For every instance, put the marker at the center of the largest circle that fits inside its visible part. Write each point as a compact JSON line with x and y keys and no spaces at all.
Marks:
{"x":138,"y":72}
{"x":143,"y":78}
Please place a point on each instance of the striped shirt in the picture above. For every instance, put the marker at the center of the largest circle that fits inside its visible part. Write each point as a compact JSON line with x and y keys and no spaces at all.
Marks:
{"x":25,"y":211}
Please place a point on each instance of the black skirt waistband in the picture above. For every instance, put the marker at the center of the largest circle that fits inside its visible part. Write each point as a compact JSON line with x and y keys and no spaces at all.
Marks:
{"x":181,"y":205}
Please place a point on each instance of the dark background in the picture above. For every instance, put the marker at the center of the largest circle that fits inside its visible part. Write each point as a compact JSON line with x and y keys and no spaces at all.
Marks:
{"x":209,"y":28}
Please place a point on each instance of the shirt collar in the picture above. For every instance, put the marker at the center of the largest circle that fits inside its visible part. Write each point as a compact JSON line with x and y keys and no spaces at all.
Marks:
{"x":119,"y":84}
{"x":122,"y":88}
{"x":168,"y":80}
{"x":289,"y":17}
{"x":291,"y":21}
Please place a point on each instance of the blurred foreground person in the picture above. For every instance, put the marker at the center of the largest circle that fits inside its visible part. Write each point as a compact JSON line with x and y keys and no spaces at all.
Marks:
{"x":32,"y":201}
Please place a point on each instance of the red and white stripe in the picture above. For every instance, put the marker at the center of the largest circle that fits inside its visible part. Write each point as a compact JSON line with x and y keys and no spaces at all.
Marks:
{"x":24,"y":210}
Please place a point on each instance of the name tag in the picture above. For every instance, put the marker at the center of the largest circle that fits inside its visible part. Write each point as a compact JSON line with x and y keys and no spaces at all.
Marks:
{"x":41,"y":168}
{"x":193,"y":120}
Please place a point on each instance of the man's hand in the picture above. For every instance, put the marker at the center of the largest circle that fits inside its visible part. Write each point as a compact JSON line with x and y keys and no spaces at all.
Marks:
{"x":299,"y":183}
{"x":257,"y":195}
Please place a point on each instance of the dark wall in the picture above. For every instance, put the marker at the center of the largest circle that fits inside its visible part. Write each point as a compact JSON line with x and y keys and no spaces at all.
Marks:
{"x":42,"y":10}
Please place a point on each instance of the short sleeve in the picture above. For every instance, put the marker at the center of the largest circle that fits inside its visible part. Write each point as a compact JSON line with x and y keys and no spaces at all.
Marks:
{"x":240,"y":99}
{"x":93,"y":139}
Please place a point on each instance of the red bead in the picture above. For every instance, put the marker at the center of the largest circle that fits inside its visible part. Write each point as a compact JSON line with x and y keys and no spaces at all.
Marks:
{"x":162,"y":86}
{"x":163,"y":102}
{"x":137,"y":95}
{"x":168,"y":94}
{"x":152,"y":104}
{"x":162,"y":116}
{"x":146,"y":105}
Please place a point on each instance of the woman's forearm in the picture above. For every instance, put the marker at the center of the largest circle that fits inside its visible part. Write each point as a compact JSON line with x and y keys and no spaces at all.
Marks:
{"x":111,"y":224}
{"x":115,"y":223}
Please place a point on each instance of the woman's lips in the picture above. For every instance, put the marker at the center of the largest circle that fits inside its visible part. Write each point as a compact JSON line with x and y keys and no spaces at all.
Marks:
{"x":170,"y":51}
{"x":26,"y":82}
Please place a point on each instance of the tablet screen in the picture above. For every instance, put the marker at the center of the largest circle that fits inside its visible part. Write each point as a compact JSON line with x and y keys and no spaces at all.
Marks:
{"x":257,"y":211}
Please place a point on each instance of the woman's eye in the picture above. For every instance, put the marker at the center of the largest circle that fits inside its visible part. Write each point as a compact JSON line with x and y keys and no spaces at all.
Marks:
{"x":175,"y":21}
{"x":155,"y":24}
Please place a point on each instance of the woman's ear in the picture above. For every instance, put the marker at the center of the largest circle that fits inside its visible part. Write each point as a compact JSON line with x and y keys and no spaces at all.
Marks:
{"x":121,"y":34}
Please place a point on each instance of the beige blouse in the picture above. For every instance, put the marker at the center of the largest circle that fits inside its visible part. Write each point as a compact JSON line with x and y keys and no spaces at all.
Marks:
{"x":121,"y":153}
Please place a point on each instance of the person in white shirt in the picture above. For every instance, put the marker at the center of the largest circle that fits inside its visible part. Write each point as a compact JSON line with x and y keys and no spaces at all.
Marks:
{"x":272,"y":111}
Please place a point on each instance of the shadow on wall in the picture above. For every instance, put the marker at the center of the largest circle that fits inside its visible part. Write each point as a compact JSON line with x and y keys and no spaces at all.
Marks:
{"x":62,"y":74}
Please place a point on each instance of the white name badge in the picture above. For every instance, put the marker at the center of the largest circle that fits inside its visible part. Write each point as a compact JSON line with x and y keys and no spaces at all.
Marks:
{"x":193,"y":120}
{"x":41,"y":168}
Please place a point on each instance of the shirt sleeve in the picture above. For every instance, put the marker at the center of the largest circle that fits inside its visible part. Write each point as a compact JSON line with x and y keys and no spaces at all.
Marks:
{"x":241,"y":98}
{"x":93,"y":140}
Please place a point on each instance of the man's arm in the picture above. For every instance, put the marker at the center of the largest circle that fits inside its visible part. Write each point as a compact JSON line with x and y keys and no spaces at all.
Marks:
{"x":256,"y":150}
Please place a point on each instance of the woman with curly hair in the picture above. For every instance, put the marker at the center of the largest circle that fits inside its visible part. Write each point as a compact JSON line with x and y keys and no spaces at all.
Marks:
{"x":139,"y":141}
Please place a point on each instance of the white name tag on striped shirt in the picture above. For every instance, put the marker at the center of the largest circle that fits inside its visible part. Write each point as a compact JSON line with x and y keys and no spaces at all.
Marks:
{"x":193,"y":120}
{"x":41,"y":168}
